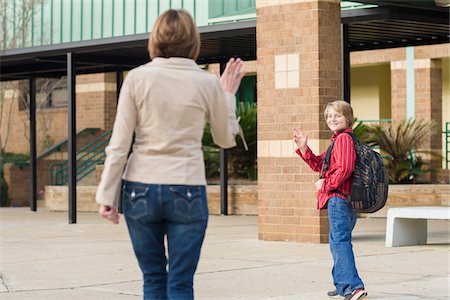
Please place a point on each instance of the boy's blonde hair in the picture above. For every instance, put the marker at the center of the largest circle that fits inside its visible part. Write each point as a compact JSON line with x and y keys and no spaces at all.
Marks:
{"x":343,"y":108}
{"x":174,"y":35}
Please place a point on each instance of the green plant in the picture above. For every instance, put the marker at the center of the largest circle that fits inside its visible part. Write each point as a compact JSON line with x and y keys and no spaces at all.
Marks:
{"x":241,"y":162}
{"x":16,"y":159}
{"x":400,"y":141}
{"x":4,"y":199}
{"x":363,"y":133}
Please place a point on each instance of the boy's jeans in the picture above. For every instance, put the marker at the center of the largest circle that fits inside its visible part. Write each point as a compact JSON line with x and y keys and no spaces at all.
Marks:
{"x":342,"y":221}
{"x":179,"y":212}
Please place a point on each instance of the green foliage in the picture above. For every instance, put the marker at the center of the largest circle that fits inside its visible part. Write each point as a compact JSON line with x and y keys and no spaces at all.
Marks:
{"x":16,"y":159}
{"x":4,"y":199}
{"x":400,"y":141}
{"x":363,"y":133}
{"x":241,"y":163}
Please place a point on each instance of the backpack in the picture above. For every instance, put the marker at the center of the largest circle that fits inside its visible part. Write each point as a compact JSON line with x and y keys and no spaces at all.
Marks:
{"x":370,"y":178}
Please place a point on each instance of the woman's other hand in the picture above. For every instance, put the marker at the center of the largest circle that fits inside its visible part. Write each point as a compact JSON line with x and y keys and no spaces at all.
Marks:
{"x":109,"y":213}
{"x":232,"y":75}
{"x":300,"y":139}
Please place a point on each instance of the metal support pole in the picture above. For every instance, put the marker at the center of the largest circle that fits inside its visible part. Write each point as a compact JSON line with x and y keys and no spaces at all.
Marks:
{"x":119,"y":81}
{"x":72,"y":145}
{"x":345,"y":63}
{"x":223,"y":172}
{"x":33,"y":181}
{"x":223,"y":182}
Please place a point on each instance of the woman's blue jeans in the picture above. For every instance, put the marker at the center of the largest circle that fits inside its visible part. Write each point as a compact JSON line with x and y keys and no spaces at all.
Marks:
{"x":342,"y":221}
{"x":178,"y":212}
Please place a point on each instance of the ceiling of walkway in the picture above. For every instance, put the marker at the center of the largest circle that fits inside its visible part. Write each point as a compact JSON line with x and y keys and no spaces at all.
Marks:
{"x":398,"y":23}
{"x":392,"y":24}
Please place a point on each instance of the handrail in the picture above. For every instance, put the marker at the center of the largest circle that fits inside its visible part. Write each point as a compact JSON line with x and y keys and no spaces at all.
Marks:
{"x":90,"y":155}
{"x":58,"y":146}
{"x":376,"y":121}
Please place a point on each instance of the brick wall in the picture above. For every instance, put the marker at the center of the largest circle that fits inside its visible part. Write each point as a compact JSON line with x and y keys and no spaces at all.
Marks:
{"x":96,"y":108}
{"x":18,"y":181}
{"x":298,"y":71}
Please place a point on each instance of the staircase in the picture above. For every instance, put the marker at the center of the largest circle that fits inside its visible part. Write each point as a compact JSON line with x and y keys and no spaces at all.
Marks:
{"x":87,"y":159}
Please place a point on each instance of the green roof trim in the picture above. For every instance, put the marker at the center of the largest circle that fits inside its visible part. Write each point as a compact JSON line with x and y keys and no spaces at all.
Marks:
{"x":347,"y":5}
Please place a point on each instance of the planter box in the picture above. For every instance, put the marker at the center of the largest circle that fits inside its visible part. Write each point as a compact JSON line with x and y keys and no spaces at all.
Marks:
{"x":401,"y":195}
{"x":242,"y":200}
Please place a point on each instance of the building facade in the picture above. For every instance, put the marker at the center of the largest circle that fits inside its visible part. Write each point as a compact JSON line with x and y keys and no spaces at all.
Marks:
{"x":297,"y":72}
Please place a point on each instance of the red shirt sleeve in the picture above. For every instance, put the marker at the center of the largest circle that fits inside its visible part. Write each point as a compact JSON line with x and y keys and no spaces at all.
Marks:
{"x":315,"y":162}
{"x":342,"y":163}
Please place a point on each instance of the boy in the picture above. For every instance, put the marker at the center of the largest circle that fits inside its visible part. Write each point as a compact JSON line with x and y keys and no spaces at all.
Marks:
{"x":331,"y":187}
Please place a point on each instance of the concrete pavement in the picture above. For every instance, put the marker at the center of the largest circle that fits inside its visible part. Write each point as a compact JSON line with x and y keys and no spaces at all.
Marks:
{"x":42,"y":257}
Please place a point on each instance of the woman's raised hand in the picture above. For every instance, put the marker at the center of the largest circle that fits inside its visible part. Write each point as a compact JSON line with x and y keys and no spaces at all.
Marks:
{"x":232,"y":75}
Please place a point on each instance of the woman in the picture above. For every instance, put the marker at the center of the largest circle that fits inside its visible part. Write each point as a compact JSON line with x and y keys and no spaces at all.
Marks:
{"x":166,"y":103}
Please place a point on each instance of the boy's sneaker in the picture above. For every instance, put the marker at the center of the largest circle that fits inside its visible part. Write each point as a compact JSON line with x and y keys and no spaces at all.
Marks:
{"x":334,"y":295}
{"x":356,"y":295}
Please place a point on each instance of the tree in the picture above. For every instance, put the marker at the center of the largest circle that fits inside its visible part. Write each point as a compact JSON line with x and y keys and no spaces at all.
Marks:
{"x":15,"y":23}
{"x":15,"y":31}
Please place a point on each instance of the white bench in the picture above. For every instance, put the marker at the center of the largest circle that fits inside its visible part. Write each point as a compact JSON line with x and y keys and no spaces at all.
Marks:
{"x":408,"y":225}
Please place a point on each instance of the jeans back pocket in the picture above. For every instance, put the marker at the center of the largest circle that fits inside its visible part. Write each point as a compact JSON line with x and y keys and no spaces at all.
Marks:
{"x":135,"y":201}
{"x":190,"y":203}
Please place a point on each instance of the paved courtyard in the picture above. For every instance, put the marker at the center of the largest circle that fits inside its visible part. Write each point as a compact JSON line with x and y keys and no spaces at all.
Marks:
{"x":42,"y":257}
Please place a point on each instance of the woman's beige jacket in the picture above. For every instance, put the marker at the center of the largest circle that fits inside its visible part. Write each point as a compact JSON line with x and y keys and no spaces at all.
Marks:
{"x":166,"y":103}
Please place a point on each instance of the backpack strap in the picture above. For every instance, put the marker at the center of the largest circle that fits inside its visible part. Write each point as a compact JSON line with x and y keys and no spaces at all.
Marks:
{"x":327,"y":158}
{"x":355,"y":140}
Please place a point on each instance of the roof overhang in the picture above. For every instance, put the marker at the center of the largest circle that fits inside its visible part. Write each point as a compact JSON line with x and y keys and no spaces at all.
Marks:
{"x":393,"y":26}
{"x":122,"y":53}
{"x":369,"y":28}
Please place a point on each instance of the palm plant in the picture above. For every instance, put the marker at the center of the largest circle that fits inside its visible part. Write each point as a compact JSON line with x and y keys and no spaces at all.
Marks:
{"x":400,"y":141}
{"x":242,"y":158}
{"x":363,"y":133}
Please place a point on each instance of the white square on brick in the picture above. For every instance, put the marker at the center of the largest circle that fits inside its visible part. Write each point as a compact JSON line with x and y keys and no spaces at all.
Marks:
{"x":280,"y":80}
{"x":274,"y":148}
{"x":293,"y":62}
{"x":280,"y":63}
{"x":287,"y":148}
{"x":292,"y":80}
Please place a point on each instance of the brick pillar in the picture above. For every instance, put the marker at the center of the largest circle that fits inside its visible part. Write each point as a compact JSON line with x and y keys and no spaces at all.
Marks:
{"x":398,"y":90}
{"x":96,"y":100}
{"x":299,"y":72}
{"x":428,"y":99}
{"x":428,"y":92}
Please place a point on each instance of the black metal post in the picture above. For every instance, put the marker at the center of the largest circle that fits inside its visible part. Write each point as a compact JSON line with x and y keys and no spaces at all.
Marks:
{"x":223,"y":171}
{"x":223,"y":182}
{"x":33,"y":181}
{"x":72,"y":145}
{"x":119,"y":81}
{"x":345,"y":63}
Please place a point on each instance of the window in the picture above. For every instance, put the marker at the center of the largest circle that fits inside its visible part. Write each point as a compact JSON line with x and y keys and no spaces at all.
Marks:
{"x":50,"y":93}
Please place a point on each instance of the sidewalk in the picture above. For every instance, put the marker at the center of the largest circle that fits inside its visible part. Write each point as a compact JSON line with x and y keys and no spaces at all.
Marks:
{"x":42,"y":257}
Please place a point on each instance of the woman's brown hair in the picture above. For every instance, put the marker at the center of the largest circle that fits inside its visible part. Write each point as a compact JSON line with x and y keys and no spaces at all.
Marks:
{"x":174,"y":35}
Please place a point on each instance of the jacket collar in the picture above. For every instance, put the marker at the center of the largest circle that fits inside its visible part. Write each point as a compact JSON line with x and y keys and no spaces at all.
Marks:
{"x":174,"y":62}
{"x":350,"y":130}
